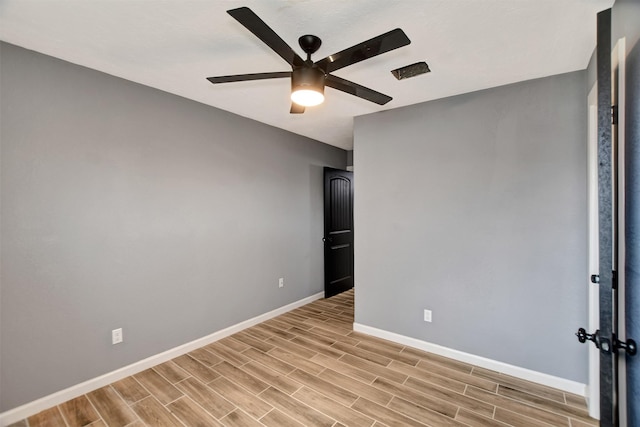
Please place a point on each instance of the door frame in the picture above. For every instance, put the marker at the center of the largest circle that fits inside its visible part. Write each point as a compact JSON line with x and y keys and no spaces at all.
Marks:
{"x":593,"y":393}
{"x":618,"y":64}
{"x":329,"y":258}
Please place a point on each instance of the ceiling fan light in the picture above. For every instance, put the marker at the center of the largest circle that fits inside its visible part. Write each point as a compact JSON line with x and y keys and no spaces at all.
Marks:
{"x":307,"y":86}
{"x":307,"y":97}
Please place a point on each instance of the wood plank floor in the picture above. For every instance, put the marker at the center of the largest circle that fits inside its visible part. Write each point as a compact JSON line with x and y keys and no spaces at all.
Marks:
{"x":309,"y":368}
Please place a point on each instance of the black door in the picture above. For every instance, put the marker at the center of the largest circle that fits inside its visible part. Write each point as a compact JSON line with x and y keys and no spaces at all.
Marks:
{"x":338,"y":231}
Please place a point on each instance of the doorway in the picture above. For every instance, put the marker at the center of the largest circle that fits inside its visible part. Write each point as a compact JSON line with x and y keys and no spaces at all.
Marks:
{"x":338,"y":231}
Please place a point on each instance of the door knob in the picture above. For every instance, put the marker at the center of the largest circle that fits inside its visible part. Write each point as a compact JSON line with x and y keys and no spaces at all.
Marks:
{"x":629,"y":346}
{"x":583,"y":336}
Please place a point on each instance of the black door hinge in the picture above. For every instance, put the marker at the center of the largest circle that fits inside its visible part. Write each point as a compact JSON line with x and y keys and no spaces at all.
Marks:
{"x":614,"y":279}
{"x":614,"y":114}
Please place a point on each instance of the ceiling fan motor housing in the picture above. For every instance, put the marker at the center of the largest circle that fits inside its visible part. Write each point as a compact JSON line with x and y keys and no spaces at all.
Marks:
{"x":307,"y":78}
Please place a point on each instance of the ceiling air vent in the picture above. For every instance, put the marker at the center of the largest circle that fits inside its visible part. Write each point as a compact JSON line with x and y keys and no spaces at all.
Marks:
{"x":411,"y":70}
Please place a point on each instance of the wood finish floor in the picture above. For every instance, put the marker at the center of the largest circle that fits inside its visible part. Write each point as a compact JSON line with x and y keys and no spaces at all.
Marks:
{"x":309,"y":368}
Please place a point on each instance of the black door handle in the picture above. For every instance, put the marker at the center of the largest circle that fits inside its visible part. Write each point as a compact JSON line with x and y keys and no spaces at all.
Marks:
{"x":629,"y":346}
{"x":583,"y":336}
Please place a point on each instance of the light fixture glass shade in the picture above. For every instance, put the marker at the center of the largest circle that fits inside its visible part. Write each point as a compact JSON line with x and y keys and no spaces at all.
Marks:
{"x":307,"y":97}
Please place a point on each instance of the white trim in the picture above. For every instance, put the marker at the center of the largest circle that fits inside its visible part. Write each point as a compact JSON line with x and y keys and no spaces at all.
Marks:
{"x":593,"y":389}
{"x":618,"y":63}
{"x":32,"y":408}
{"x":494,"y":365}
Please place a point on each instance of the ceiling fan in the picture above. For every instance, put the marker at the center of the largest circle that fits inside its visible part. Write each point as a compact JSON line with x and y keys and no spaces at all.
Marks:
{"x":309,"y":78}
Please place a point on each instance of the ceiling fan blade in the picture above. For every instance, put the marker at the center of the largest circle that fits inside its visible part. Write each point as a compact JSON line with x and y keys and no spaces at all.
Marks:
{"x":365,"y":50}
{"x":244,"y":77}
{"x":257,"y":26}
{"x":296,"y":108}
{"x":357,"y":90}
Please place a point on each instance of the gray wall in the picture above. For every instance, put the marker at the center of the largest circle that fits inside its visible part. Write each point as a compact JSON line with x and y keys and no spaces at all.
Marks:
{"x":475,"y":207}
{"x":624,"y":20}
{"x":124,"y":206}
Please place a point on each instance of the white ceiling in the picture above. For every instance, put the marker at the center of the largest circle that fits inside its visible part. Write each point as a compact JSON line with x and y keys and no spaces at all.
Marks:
{"x":173,"y":45}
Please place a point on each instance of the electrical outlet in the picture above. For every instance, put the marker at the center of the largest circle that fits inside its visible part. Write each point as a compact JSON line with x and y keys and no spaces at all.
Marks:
{"x":281,"y":282}
{"x":427,"y":315}
{"x":116,"y":336}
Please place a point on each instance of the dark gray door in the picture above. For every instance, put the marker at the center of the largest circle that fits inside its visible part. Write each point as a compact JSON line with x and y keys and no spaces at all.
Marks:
{"x":613,"y":347}
{"x":607,"y":238}
{"x":338,"y":231}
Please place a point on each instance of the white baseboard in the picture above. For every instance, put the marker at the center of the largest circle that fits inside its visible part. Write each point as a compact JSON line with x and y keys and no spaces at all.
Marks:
{"x":32,"y":408}
{"x":494,"y":365}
